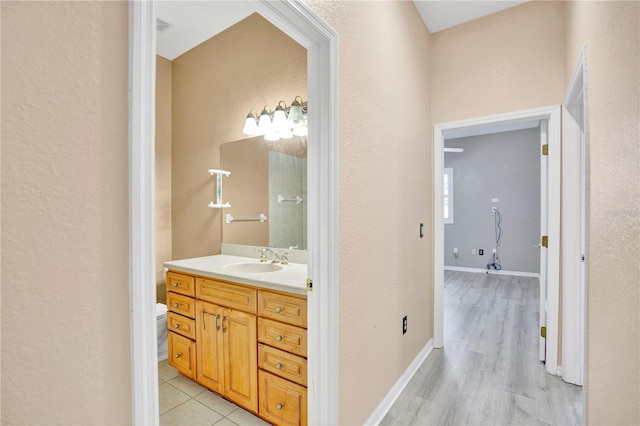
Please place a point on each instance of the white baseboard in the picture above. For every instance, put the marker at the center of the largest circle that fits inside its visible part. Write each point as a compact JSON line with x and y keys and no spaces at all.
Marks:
{"x":492,"y":271}
{"x":378,"y":414}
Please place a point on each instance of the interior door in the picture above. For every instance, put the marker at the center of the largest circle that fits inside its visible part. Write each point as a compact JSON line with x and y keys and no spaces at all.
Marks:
{"x":574,"y":234}
{"x":544,"y":222}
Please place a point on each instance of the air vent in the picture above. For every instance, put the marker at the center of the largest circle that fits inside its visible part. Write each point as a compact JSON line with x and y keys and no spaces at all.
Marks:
{"x":162,"y":26}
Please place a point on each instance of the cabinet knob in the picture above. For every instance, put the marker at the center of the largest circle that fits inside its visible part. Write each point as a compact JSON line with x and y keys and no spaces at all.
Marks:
{"x":279,"y":366}
{"x":176,"y":284}
{"x":279,"y":309}
{"x":175,"y":305}
{"x":178,"y":355}
{"x":280,"y":406}
{"x":278,"y":337}
{"x":176,"y":326}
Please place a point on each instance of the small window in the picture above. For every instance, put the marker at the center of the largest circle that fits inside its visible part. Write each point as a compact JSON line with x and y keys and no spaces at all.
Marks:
{"x":447,"y":180}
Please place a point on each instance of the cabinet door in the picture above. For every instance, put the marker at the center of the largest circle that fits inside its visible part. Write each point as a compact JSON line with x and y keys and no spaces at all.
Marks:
{"x":241,"y":356}
{"x":209,"y":350}
{"x":281,"y":402}
{"x":182,"y":354}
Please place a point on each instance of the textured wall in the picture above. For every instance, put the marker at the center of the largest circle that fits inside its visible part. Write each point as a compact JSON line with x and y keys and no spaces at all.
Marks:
{"x":612,"y":32}
{"x":163,"y":172}
{"x":65,"y":292}
{"x":215,"y":85}
{"x":384,"y":193}
{"x":504,"y":166}
{"x":509,"y":61}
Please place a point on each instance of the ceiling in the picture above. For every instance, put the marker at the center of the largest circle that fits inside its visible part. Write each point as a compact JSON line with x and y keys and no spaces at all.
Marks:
{"x":193,"y":22}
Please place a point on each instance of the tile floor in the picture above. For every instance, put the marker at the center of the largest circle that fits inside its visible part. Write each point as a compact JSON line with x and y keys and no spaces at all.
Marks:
{"x":184,"y":402}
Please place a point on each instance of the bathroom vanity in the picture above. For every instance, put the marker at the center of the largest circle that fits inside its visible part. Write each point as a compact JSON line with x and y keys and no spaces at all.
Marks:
{"x":238,"y":327}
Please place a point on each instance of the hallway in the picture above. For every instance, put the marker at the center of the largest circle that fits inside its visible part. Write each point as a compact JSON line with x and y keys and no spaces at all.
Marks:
{"x":488,"y":372}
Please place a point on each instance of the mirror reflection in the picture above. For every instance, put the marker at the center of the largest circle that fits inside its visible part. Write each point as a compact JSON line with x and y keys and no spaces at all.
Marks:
{"x":270,"y":179}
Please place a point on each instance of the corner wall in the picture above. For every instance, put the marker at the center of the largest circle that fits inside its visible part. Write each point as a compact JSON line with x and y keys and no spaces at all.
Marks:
{"x":384,"y":194}
{"x":611,"y":31}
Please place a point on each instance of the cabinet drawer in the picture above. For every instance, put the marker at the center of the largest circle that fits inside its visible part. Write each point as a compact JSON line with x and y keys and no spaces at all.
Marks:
{"x":181,"y":325}
{"x":280,"y":307}
{"x":181,"y":304}
{"x":284,"y":336}
{"x":282,"y":402}
{"x":227,"y":295}
{"x":283,"y":364}
{"x":182,"y":354}
{"x":180,"y":283}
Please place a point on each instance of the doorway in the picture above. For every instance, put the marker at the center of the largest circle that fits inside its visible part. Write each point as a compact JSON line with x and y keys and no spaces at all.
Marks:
{"x":299,"y":22}
{"x":487,"y":125}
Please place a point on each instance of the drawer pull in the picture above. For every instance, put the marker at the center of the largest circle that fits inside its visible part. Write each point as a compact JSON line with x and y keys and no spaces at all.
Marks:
{"x":280,"y":406}
{"x":176,"y":284}
{"x":279,"y":309}
{"x":175,"y":305}
{"x":217,"y":326}
{"x":178,"y":355}
{"x":176,"y":326}
{"x":224,"y":330}
{"x":278,"y":338}
{"x":279,"y":366}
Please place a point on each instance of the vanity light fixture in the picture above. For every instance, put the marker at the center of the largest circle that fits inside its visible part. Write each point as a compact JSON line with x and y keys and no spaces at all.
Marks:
{"x":275,"y":125}
{"x":264,"y":123}
{"x":251,"y":124}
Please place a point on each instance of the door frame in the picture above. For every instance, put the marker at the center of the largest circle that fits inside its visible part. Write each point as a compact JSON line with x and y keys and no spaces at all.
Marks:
{"x":553,"y":115}
{"x":574,"y":217}
{"x":298,"y":21}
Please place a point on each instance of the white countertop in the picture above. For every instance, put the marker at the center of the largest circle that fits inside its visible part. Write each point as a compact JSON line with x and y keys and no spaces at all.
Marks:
{"x":292,"y":278}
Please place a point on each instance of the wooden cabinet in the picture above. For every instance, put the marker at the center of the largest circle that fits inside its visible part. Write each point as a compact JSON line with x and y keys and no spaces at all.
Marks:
{"x":282,"y":358}
{"x":180,"y":323}
{"x":247,"y":344}
{"x":182,"y":354}
{"x":282,"y":402}
{"x":227,"y":353}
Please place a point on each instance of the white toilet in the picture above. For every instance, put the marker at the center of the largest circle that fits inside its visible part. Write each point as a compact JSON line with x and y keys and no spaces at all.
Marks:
{"x":161,"y":317}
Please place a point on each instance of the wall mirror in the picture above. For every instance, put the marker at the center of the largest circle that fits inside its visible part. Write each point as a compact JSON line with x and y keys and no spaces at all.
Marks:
{"x":267,"y":179}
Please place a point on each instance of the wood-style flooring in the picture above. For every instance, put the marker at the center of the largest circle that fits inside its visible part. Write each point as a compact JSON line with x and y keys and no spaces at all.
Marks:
{"x":488,"y":372}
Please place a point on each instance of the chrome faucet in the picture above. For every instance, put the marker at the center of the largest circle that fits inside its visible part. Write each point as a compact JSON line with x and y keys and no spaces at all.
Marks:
{"x":263,"y":255}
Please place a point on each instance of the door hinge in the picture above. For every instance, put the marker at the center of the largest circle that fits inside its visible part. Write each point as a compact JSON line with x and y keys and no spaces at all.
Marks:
{"x":545,"y":241}
{"x":309,"y":284}
{"x":543,"y":332}
{"x":545,"y":149}
{"x":582,"y":257}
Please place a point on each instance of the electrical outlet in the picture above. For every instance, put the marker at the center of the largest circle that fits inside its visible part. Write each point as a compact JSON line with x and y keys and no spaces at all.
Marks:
{"x":404,"y":324}
{"x":481,"y":252}
{"x":493,"y":251}
{"x":473,"y":251}
{"x":455,"y":250}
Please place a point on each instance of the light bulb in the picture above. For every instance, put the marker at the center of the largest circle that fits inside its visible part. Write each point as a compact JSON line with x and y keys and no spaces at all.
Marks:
{"x":264,"y":124}
{"x":279,"y":117}
{"x":250,"y":125}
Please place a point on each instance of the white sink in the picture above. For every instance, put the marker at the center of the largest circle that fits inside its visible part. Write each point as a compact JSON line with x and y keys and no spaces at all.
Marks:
{"x":252,"y":267}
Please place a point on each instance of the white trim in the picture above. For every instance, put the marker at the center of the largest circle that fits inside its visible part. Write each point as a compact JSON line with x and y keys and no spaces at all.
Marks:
{"x":573,"y":224}
{"x":492,"y":272}
{"x":544,"y":211}
{"x":142,"y":277}
{"x":383,"y":408}
{"x":547,"y":113}
{"x":302,"y":24}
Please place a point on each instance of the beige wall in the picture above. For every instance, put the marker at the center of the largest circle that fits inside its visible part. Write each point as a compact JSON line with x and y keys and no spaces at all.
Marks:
{"x":612,"y":32}
{"x":384,"y":186}
{"x":247,"y":190}
{"x":65,"y":292}
{"x":214,"y":87}
{"x":508,"y":61}
{"x":163,"y":172}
